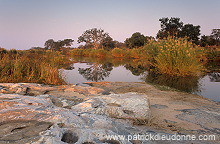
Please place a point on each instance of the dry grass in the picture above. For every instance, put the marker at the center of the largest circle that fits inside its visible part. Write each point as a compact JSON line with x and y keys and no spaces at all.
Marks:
{"x":176,"y":57}
{"x":31,"y":66}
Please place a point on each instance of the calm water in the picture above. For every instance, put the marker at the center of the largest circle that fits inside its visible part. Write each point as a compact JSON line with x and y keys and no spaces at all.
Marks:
{"x":136,"y":71}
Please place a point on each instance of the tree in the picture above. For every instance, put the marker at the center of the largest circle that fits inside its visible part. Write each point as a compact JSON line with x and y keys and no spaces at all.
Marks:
{"x":169,"y":27}
{"x":93,"y":37}
{"x":58,"y":45}
{"x":120,"y":44}
{"x":49,"y":44}
{"x":216,"y":35}
{"x":190,"y":31}
{"x":207,"y":41}
{"x":108,"y":43}
{"x":67,"y":42}
{"x":136,"y":40}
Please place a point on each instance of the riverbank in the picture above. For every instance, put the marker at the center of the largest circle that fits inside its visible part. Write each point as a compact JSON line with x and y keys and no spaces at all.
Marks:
{"x":171,"y":110}
{"x":81,"y":114}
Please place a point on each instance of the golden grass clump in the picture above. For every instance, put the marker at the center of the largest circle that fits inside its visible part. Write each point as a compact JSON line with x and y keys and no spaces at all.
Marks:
{"x":31,"y":66}
{"x":177,"y":57}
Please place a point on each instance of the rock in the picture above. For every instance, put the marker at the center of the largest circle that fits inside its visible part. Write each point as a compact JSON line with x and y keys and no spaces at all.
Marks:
{"x":3,"y":89}
{"x":208,"y":120}
{"x":75,"y":114}
{"x":21,"y":131}
{"x":84,"y":90}
{"x":25,"y":88}
{"x":13,"y":88}
{"x":158,"y":106}
{"x":31,"y":118}
{"x":122,"y":106}
{"x":33,"y":89}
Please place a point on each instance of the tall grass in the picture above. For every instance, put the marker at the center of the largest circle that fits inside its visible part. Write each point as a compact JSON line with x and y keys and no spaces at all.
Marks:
{"x":119,"y":53}
{"x":177,"y":57}
{"x":31,"y":66}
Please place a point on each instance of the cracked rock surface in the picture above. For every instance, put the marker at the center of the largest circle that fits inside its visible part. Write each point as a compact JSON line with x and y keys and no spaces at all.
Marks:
{"x":41,"y":114}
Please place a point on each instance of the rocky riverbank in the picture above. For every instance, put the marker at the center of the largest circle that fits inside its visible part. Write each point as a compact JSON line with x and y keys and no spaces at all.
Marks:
{"x":38,"y":114}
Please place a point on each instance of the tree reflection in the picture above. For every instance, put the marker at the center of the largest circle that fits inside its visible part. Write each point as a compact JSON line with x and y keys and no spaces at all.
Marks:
{"x":136,"y":70}
{"x":96,"y":72}
{"x":214,"y":77}
{"x":187,"y":84}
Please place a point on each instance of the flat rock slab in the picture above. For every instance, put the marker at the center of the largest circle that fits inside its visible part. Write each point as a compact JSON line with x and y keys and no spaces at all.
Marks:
{"x":159,"y":106}
{"x":172,"y":111}
{"x":33,"y":89}
{"x":22,"y":131}
{"x":123,"y":106}
{"x":28,"y":119}
{"x":75,"y":114}
{"x":206,"y":119}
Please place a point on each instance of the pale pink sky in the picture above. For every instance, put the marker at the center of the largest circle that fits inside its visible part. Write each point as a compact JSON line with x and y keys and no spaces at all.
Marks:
{"x":28,"y":23}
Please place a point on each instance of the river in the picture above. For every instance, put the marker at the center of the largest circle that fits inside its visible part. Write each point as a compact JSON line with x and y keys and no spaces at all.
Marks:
{"x":93,"y":70}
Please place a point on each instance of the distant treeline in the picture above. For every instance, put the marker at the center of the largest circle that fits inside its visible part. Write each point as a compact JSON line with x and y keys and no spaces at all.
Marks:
{"x":177,"y":50}
{"x":99,"y":39}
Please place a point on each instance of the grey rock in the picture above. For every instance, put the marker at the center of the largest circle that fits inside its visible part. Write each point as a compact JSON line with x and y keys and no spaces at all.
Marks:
{"x":67,"y":126}
{"x":208,"y":120}
{"x":22,"y":131}
{"x":159,"y":106}
{"x":125,"y":106}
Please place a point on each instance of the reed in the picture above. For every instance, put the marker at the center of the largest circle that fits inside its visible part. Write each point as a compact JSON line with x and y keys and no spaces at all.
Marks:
{"x":119,"y":53}
{"x":31,"y":66}
{"x":177,"y":57}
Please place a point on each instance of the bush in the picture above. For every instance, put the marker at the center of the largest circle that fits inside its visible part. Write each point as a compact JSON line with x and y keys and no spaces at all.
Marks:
{"x":174,"y":57}
{"x":119,"y":53}
{"x":138,"y":53}
{"x":76,"y":52}
{"x":101,"y":53}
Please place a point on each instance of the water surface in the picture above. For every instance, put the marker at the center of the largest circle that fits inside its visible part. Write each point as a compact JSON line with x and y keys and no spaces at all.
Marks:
{"x":94,"y":70}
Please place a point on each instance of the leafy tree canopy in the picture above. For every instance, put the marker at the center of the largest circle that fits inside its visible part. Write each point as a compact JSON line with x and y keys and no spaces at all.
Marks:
{"x":175,"y":28}
{"x":136,"y":40}
{"x":108,"y":43}
{"x":190,"y":31}
{"x":58,"y":45}
{"x":169,"y":27}
{"x":207,"y":41}
{"x":93,"y":37}
{"x":216,"y":35}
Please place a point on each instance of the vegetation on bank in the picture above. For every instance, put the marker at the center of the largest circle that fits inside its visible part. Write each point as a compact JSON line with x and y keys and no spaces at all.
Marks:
{"x":31,"y":66}
{"x":177,"y":51}
{"x":177,"y":57}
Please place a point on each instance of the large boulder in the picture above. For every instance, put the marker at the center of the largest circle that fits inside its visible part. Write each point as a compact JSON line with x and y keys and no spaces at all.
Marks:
{"x":123,"y":106}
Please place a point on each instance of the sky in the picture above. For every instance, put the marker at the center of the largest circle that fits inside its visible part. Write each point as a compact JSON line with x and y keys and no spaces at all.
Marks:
{"x":29,"y":23}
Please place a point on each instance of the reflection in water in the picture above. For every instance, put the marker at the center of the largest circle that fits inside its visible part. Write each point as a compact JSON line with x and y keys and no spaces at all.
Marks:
{"x":136,"y":70}
{"x":96,"y":72}
{"x":101,"y":68}
{"x":214,"y":77}
{"x":121,"y":69}
{"x":187,"y":84}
